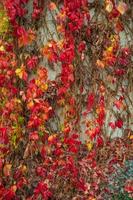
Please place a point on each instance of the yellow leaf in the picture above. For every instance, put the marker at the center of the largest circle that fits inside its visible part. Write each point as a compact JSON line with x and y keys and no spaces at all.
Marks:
{"x":44,"y":86}
{"x":19,"y":72}
{"x":122,"y":7}
{"x":62,"y":127}
{"x":38,"y":82}
{"x":89,"y":145}
{"x":4,"y":22}
{"x":2,"y":48}
{"x":30,"y":104}
{"x":60,"y":44}
{"x":131,"y":137}
{"x":18,"y":100}
{"x":110,"y":49}
{"x":109,"y":6}
{"x":2,"y":145}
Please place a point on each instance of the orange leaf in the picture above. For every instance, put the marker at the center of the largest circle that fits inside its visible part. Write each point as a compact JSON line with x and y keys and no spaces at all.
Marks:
{"x":119,"y":26}
{"x":100,"y":64}
{"x":7,"y":169}
{"x":26,"y":38}
{"x":52,"y":6}
{"x":122,"y":7}
{"x":31,"y":36}
{"x":109,"y":6}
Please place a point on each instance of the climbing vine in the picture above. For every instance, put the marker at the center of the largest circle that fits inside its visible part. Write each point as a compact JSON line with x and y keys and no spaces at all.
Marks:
{"x":66,"y":101}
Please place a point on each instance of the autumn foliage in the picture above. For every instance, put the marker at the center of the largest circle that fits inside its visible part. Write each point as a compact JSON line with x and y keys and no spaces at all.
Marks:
{"x":67,"y":136}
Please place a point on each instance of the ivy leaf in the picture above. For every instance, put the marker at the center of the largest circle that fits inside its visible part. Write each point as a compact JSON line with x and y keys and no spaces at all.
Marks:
{"x":90,"y":101}
{"x":122,"y":7}
{"x":7,"y":169}
{"x":109,"y":6}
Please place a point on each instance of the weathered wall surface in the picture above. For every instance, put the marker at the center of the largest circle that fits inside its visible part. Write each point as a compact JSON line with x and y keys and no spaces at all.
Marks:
{"x":48,"y":32}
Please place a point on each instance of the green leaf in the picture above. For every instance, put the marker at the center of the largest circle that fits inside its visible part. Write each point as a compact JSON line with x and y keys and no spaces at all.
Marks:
{"x":21,"y":120}
{"x":40,"y":133}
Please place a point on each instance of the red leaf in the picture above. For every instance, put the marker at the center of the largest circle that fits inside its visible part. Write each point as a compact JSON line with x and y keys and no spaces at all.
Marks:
{"x":119,"y":123}
{"x":112,"y":125}
{"x":34,"y":136}
{"x":90,"y":101}
{"x":99,"y":141}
